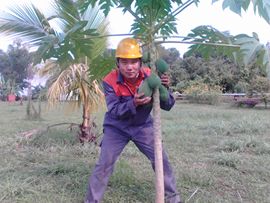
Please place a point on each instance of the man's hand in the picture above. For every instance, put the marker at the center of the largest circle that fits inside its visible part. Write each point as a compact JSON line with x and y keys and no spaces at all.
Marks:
{"x":140,"y":99}
{"x":165,"y":79}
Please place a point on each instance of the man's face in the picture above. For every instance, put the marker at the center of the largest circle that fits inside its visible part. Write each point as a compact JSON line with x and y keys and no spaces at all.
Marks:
{"x":129,"y":68}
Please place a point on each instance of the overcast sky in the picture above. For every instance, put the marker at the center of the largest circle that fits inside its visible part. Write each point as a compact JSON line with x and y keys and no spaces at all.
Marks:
{"x":204,"y":14}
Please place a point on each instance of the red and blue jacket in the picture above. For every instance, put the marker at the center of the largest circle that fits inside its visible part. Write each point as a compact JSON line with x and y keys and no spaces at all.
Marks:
{"x":121,"y":111}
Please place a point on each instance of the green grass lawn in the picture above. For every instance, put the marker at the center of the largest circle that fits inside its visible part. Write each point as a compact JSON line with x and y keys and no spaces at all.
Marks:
{"x":218,"y":153}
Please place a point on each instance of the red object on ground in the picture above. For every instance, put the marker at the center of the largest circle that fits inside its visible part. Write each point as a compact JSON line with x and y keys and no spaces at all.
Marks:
{"x":11,"y":98}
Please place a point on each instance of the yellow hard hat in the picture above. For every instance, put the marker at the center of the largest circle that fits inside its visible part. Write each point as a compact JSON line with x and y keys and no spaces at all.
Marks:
{"x":128,"y":48}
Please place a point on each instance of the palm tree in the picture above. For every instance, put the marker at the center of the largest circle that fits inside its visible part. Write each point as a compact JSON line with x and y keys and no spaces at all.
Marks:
{"x":75,"y":84}
{"x":66,"y":41}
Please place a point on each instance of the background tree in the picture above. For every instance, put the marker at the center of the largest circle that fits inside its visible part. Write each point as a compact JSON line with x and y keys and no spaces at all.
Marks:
{"x":69,"y":37}
{"x":251,"y":50}
{"x":250,"y":62}
{"x":14,"y":66}
{"x":213,"y":71}
{"x":217,"y":69}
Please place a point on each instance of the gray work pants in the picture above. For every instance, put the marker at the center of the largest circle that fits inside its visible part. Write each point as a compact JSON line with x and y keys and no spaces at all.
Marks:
{"x":113,"y":142}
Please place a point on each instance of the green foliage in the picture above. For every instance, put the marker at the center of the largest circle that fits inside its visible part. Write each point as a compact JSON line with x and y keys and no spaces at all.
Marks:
{"x":242,"y":49}
{"x":260,"y":6}
{"x":67,"y":39}
{"x":151,"y":17}
{"x":260,"y":84}
{"x":241,"y":87}
{"x":105,"y":5}
{"x":211,"y":98}
{"x":202,"y":93}
{"x":215,"y":71}
{"x":252,"y":79}
{"x":252,"y":50}
{"x":102,"y":65}
{"x":170,"y":55}
{"x":25,"y":22}
{"x":14,"y":67}
{"x":203,"y":35}
{"x":75,"y":41}
{"x":149,"y":14}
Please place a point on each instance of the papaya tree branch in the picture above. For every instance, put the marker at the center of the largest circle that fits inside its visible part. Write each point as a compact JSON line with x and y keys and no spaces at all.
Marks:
{"x":204,"y":43}
{"x":174,"y":13}
{"x":134,"y":15}
{"x":182,"y":7}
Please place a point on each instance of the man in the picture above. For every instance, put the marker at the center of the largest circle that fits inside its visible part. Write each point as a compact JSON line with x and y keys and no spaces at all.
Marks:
{"x":128,"y":118}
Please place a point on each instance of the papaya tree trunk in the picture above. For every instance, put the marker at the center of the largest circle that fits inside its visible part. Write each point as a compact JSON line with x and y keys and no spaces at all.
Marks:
{"x":159,"y":182}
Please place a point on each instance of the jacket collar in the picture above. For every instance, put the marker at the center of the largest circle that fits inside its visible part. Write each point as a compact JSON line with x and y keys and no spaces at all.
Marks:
{"x":120,"y":78}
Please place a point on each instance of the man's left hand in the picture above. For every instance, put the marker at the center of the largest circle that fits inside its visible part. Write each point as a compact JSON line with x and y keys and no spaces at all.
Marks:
{"x":165,"y":79}
{"x":140,"y":99}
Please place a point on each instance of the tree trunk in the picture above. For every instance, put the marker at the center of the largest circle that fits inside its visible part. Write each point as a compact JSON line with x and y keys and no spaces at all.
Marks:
{"x":157,"y":135}
{"x":87,"y":133}
{"x":29,"y":101}
{"x":31,"y":111}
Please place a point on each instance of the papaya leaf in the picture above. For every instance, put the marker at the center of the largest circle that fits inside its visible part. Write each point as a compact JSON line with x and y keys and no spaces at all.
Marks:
{"x":252,"y":49}
{"x":207,"y":41}
{"x":260,"y":6}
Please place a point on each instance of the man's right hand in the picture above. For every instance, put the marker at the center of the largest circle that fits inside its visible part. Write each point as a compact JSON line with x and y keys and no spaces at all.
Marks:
{"x":140,"y":99}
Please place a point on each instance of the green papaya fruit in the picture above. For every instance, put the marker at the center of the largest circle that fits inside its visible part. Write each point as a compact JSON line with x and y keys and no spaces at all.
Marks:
{"x":144,"y":88}
{"x":153,"y":81}
{"x":161,"y":66}
{"x":163,"y":93}
{"x":146,"y":57}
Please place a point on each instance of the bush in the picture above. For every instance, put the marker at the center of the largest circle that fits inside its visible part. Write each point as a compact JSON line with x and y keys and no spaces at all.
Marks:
{"x":181,"y":86}
{"x":202,"y":93}
{"x":241,"y":87}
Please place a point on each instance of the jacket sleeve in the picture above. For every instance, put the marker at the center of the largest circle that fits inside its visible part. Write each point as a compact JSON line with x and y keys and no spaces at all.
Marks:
{"x":117,"y":106}
{"x":168,"y":104}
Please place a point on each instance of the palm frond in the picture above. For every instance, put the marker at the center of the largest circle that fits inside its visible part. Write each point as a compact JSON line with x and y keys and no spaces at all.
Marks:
{"x":25,"y":21}
{"x":74,"y":81}
{"x":50,"y":67}
{"x":96,"y":20}
{"x":101,"y":66}
{"x":68,"y":13}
